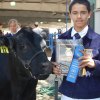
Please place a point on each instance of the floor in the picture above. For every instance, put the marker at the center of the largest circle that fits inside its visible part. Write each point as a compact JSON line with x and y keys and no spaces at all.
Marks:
{"x":46,"y":88}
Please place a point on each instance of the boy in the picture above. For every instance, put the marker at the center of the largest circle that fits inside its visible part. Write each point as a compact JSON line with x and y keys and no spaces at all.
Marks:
{"x":88,"y":86}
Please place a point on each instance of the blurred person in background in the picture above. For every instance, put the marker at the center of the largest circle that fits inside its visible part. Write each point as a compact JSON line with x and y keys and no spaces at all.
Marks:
{"x":5,"y":87}
{"x":37,"y":29}
{"x":1,"y":32}
{"x":13,"y":26}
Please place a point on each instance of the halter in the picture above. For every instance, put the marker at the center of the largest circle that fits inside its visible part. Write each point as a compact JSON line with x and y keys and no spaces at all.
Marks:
{"x":26,"y":64}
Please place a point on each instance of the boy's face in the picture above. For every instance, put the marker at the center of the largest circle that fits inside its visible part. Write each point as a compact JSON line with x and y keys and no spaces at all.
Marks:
{"x":79,"y":15}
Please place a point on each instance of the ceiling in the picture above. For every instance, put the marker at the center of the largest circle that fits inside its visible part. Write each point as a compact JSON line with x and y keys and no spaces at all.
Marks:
{"x":36,"y":1}
{"x":30,"y":11}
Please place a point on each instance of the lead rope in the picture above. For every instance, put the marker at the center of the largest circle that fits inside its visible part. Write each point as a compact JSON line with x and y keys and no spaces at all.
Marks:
{"x":56,"y":87}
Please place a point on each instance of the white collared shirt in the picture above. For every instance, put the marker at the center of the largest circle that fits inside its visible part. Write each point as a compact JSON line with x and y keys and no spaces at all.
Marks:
{"x":82,"y":33}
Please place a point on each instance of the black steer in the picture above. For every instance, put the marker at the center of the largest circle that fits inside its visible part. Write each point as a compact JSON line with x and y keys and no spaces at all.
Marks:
{"x":27,"y":63}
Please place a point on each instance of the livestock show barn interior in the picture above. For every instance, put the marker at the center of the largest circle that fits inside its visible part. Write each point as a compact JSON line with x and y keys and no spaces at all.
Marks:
{"x":52,"y":17}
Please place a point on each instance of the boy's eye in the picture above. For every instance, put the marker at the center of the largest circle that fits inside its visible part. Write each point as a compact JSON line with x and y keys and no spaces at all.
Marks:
{"x":74,"y":12}
{"x":84,"y":12}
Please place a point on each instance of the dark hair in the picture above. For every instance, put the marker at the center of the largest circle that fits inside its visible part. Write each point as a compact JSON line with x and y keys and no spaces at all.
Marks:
{"x":13,"y":21}
{"x":83,"y":2}
{"x":35,"y":25}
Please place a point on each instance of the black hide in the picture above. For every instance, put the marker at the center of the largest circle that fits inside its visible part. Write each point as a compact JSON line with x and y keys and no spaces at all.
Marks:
{"x":27,"y":63}
{"x":29,"y":48}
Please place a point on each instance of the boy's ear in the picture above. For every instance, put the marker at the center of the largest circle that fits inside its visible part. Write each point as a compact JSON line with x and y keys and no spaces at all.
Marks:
{"x":90,"y":14}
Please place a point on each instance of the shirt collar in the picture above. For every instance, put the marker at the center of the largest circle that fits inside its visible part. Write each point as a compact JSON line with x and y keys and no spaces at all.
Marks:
{"x":82,"y":33}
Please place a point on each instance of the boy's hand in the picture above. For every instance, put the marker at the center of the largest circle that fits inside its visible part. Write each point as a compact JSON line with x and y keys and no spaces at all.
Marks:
{"x":56,"y":69}
{"x":86,"y":61}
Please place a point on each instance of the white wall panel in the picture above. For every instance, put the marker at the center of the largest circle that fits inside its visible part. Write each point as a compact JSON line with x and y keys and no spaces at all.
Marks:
{"x":97,"y":21}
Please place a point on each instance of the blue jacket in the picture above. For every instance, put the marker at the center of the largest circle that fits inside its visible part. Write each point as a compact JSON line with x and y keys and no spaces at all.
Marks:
{"x":3,"y":64}
{"x":85,"y":87}
{"x":5,"y":85}
{"x":5,"y":80}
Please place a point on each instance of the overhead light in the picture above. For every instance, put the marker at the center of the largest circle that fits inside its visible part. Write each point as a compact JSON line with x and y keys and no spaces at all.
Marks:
{"x":12,"y":3}
{"x":59,"y":20}
{"x":41,"y":22}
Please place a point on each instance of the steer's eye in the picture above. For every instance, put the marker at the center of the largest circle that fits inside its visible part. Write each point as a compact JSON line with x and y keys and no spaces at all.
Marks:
{"x":22,"y":46}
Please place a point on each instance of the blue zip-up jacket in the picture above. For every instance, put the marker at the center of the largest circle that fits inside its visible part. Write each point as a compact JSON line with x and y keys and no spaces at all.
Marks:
{"x":85,"y":87}
{"x":5,"y":85}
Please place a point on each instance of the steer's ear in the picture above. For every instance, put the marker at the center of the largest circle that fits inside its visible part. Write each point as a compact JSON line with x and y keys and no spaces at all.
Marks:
{"x":3,"y":40}
{"x":7,"y":41}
